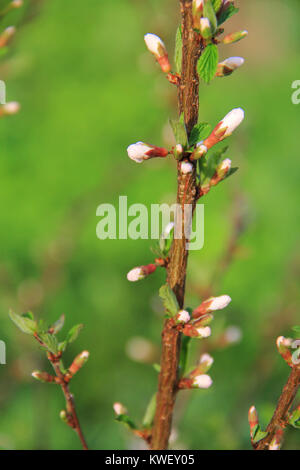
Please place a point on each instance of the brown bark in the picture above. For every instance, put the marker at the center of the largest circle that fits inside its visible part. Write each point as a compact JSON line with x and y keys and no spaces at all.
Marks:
{"x":280,"y":417}
{"x":188,"y":103}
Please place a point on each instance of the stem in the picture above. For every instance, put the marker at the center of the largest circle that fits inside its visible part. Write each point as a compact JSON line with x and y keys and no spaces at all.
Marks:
{"x":279,"y":419}
{"x":188,"y":103}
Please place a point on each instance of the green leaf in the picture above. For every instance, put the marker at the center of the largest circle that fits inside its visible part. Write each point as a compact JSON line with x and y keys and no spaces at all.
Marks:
{"x":294,"y":419}
{"x":124,"y":419}
{"x":259,"y":434}
{"x":296,"y":328}
{"x":169,"y":299}
{"x":226,"y":14}
{"x":178,"y":50}
{"x":58,"y":325}
{"x":209,"y":12}
{"x":208,"y":167}
{"x":73,"y":333}
{"x":150,"y":413}
{"x":179,"y":131}
{"x":156,"y":367}
{"x":217,"y":4}
{"x":25,"y":322}
{"x":208,"y":62}
{"x":50,"y":342}
{"x":200,"y":132}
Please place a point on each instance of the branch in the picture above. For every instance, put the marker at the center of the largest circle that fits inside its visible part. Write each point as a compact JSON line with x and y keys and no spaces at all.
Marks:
{"x":188,"y":103}
{"x":280,"y":417}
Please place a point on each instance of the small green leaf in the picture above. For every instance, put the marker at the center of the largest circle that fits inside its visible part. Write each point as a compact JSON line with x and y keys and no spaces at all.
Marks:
{"x":259,"y":434}
{"x":209,"y":12}
{"x":200,"y":132}
{"x":124,"y":419}
{"x":25,"y":322}
{"x":150,"y":413}
{"x":217,"y":4}
{"x":208,"y":62}
{"x":185,"y":344}
{"x":226,"y":14}
{"x":58,"y":325}
{"x":296,"y":328}
{"x":169,"y":299}
{"x":50,"y":342}
{"x":294,"y":419}
{"x":178,"y":50}
{"x":156,"y":367}
{"x":208,"y":167}
{"x":73,"y":333}
{"x":179,"y":131}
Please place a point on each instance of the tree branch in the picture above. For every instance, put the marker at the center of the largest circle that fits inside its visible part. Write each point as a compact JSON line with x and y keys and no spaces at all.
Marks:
{"x":280,"y":417}
{"x":188,"y":104}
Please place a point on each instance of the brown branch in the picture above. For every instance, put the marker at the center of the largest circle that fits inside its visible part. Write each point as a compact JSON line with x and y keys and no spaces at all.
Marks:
{"x":188,"y":103}
{"x":280,"y":417}
{"x":72,"y":418}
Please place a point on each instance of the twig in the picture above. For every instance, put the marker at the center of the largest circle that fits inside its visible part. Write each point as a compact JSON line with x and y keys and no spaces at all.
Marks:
{"x":186,"y":194}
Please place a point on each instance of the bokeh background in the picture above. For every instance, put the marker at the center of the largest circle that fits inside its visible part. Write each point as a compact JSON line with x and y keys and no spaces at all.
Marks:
{"x":88,"y":89}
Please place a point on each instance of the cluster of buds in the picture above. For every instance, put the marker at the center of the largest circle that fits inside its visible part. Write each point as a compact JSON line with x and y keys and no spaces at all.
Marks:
{"x":198,"y":378}
{"x":223,"y":129}
{"x":141,"y":151}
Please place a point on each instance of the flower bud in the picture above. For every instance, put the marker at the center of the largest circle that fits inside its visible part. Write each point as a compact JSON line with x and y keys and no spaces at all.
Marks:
{"x":197,"y":12}
{"x":141,"y":151}
{"x":229,"y":65}
{"x":8,"y":109}
{"x":205,"y":28}
{"x":235,"y":37}
{"x":202,"y":381}
{"x":194,"y":332}
{"x":43,"y":376}
{"x":221,"y":171}
{"x":178,"y":151}
{"x":225,"y":128}
{"x":253,"y":420}
{"x":206,"y":361}
{"x":6,"y":35}
{"x":78,"y":362}
{"x":136,"y":274}
{"x":182,"y":316}
{"x":200,"y":151}
{"x":212,"y":304}
{"x":283,"y":346}
{"x":186,"y":167}
{"x":119,"y":409}
{"x":156,"y":46}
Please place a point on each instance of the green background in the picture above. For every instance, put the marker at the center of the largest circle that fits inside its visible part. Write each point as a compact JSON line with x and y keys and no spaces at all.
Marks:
{"x":88,"y":88}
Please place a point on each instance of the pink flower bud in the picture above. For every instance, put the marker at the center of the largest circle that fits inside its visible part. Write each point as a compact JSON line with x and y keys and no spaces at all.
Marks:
{"x":119,"y":409}
{"x":136,"y":274}
{"x":156,"y":46}
{"x":183,"y":316}
{"x":141,"y":151}
{"x":235,"y":37}
{"x":253,"y":420}
{"x":202,"y":381}
{"x":205,"y":28}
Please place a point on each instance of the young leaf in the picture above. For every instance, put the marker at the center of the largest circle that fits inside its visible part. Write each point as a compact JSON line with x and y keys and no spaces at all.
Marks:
{"x":200,"y":132}
{"x":50,"y":342}
{"x":259,"y":434}
{"x":296,"y":328}
{"x":58,"y":325}
{"x":169,"y":299}
{"x":216,"y":4}
{"x":184,"y":354}
{"x":209,"y":166}
{"x":208,"y":62}
{"x":209,"y":12}
{"x":226,"y":14}
{"x":294,"y":419}
{"x":178,"y":50}
{"x":25,"y":322}
{"x":73,"y":333}
{"x":179,"y":131}
{"x":150,"y":413}
{"x":124,"y":419}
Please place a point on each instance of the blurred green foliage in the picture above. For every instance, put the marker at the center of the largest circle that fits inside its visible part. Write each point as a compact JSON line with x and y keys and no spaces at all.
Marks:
{"x":88,"y":89}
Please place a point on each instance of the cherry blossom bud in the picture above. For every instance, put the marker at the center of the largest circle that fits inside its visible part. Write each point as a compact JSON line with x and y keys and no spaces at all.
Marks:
{"x":253,"y":420}
{"x":141,"y":151}
{"x":205,"y":28}
{"x":204,"y":332}
{"x":156,"y":46}
{"x":202,"y":381}
{"x":119,"y":409}
{"x":78,"y":362}
{"x":186,"y":167}
{"x":182,"y":316}
{"x":206,"y":361}
{"x":235,"y":37}
{"x":43,"y":376}
{"x":8,"y":109}
{"x":199,"y":151}
{"x":178,"y":151}
{"x":283,"y":346}
{"x":229,"y":65}
{"x":7,"y":34}
{"x":197,"y":12}
{"x":225,"y":128}
{"x":277,"y":440}
{"x":64,"y":416}
{"x":194,"y":332}
{"x":136,"y":274}
{"x":212,"y":304}
{"x":221,"y":172}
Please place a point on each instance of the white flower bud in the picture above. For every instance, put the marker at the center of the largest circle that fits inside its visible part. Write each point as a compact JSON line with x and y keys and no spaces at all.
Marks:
{"x":136,"y":274}
{"x":141,"y":151}
{"x":202,"y":381}
{"x":205,"y":28}
{"x":231,"y":121}
{"x":186,"y":167}
{"x":204,"y":332}
{"x":233,"y":62}
{"x":11,"y":108}
{"x":183,"y":316}
{"x":119,"y":409}
{"x":207,"y":359}
{"x":218,"y":303}
{"x":155,"y":45}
